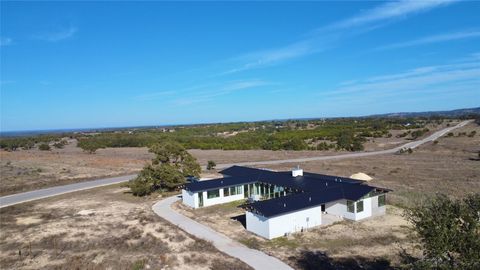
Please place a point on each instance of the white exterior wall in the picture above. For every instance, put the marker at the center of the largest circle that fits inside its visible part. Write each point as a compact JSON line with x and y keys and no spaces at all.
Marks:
{"x":280,"y":225}
{"x":257,"y":224}
{"x":339,"y":208}
{"x":190,"y":198}
{"x":377,"y":210}
{"x":221,"y":199}
{"x":367,"y":209}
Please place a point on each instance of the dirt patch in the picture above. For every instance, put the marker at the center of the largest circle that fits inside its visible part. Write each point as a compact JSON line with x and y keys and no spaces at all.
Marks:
{"x":29,"y":220}
{"x":102,"y":228}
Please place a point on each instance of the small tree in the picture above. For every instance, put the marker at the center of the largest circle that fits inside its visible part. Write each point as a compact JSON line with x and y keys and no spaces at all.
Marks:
{"x":171,"y":165}
{"x":44,"y":147}
{"x":449,"y":232}
{"x":211,"y":165}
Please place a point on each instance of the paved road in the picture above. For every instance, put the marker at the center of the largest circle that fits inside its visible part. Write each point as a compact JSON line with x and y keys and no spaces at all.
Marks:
{"x":53,"y":191}
{"x":412,"y":145}
{"x":254,"y":258}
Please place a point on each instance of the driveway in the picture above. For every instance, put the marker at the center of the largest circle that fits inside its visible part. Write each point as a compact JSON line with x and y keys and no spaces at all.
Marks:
{"x":53,"y":191}
{"x":252,"y":257}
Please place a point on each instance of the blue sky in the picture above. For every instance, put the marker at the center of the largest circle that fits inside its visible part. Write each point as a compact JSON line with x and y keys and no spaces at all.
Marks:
{"x":103,"y":64}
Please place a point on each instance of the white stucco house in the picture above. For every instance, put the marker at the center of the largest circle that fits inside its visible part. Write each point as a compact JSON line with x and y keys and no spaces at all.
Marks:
{"x":279,"y":203}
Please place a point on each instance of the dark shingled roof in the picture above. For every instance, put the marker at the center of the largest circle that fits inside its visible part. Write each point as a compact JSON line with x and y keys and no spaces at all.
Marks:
{"x":291,"y":203}
{"x":313,"y":189}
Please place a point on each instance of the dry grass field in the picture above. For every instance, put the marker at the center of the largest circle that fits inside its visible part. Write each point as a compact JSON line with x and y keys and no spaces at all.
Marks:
{"x":25,"y":170}
{"x":102,"y":228}
{"x":450,"y":166}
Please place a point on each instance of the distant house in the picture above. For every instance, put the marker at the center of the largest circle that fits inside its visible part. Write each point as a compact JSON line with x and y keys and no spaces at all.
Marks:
{"x":280,"y":203}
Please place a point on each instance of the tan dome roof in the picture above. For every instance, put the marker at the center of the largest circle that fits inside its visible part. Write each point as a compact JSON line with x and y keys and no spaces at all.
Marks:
{"x":361,"y":176}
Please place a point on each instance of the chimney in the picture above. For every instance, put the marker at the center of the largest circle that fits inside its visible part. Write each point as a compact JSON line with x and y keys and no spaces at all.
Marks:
{"x":297,"y":172}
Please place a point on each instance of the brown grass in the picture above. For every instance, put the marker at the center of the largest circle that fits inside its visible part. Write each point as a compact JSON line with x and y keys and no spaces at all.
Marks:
{"x":118,"y":231}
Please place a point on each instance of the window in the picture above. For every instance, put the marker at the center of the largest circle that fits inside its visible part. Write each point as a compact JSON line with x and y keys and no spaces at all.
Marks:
{"x":213,"y":193}
{"x":226,"y":192}
{"x":359,"y":206}
{"x":236,"y":190}
{"x":350,"y":207}
{"x":381,"y":200}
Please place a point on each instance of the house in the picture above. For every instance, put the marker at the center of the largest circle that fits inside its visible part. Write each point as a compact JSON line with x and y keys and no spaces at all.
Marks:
{"x":284,"y":202}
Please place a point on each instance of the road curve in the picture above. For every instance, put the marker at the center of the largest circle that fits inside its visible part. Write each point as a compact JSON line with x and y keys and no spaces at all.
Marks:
{"x":252,"y":257}
{"x":53,"y":191}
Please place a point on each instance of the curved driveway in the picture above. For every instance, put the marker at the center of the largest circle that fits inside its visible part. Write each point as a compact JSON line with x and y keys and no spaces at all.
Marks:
{"x":254,"y":258}
{"x":53,"y":191}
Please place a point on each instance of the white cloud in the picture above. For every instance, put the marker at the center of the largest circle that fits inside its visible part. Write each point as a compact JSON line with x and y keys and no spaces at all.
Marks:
{"x":57,"y":35}
{"x":388,"y":11}
{"x":433,"y":39}
{"x":209,"y":93}
{"x":422,"y":79}
{"x":152,"y":96}
{"x":5,"y":41}
{"x":325,"y":37}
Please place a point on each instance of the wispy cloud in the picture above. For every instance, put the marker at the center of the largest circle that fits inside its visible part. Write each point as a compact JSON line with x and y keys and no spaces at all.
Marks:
{"x":5,"y":41}
{"x":388,"y":12}
{"x":154,"y":95}
{"x":57,"y":35}
{"x":326,"y":37}
{"x":433,"y":39}
{"x":209,"y":93}
{"x":428,"y":78}
{"x":272,"y":56}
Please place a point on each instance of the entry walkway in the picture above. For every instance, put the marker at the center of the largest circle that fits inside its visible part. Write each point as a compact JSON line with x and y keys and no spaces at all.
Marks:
{"x":252,"y":257}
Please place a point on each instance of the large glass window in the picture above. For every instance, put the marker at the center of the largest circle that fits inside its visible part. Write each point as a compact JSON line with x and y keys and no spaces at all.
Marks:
{"x":226,"y":192}
{"x":213,"y":193}
{"x":359,"y":206}
{"x":350,"y":207}
{"x":381,"y":200}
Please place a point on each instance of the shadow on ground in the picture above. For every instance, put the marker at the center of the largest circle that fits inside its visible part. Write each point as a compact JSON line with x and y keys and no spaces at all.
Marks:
{"x":310,"y":260}
{"x":242,"y":219}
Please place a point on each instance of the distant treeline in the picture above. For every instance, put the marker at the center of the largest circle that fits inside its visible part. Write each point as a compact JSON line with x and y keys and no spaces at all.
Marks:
{"x":313,"y":134}
{"x":25,"y":143}
{"x":342,"y":134}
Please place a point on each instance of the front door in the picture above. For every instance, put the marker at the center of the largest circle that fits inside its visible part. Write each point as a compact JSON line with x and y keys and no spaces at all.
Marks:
{"x":200,"y":199}
{"x":323,"y":207}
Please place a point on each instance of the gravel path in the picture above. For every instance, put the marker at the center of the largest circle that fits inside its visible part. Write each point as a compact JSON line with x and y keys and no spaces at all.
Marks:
{"x":252,"y":257}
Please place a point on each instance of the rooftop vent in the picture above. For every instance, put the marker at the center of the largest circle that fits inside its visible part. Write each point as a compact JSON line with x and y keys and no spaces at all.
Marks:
{"x":297,"y":172}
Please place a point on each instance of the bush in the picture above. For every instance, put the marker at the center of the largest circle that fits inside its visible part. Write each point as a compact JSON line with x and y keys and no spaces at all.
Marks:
{"x":449,"y":232}
{"x":211,"y":165}
{"x":139,"y":187}
{"x":44,"y":147}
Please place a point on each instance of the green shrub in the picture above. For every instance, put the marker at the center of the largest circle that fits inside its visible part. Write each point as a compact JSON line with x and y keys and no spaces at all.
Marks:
{"x":44,"y":147}
{"x":211,"y":165}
